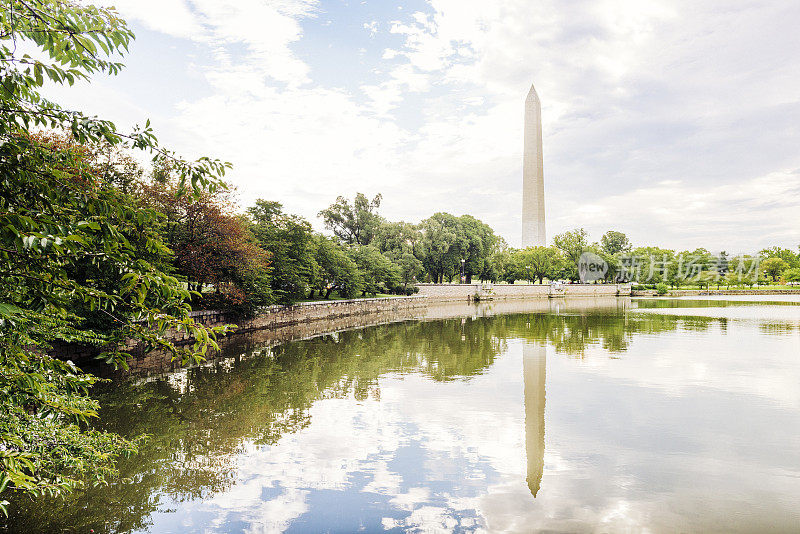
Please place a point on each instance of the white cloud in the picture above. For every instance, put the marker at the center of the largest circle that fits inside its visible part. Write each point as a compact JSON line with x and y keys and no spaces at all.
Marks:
{"x":171,"y":17}
{"x":636,"y":95}
{"x":699,"y":216}
{"x":265,"y":29}
{"x":372,"y":27}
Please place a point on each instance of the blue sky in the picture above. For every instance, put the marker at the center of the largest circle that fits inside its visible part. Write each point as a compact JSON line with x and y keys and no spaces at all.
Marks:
{"x":675,"y":122}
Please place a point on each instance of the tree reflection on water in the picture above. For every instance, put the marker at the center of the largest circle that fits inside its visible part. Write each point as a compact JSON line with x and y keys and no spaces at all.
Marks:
{"x":200,"y":419}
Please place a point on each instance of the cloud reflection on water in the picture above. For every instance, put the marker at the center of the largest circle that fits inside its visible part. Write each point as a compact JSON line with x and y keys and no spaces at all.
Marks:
{"x":653,"y":420}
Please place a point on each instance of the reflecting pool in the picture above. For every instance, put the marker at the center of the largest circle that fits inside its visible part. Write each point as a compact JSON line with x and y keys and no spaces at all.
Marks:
{"x":589,"y":415}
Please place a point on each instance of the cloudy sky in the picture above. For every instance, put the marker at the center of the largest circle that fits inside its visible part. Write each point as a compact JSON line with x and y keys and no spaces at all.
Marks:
{"x":675,"y":122}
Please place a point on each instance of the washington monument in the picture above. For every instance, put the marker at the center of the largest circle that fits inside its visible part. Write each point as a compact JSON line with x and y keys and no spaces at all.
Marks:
{"x":533,"y":234}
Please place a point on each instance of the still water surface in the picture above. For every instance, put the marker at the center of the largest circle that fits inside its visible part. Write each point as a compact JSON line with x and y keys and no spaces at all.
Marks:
{"x":595,"y":415}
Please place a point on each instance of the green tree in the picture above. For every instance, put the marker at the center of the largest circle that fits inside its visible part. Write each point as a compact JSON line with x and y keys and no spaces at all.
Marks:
{"x":722,"y":264}
{"x":792,"y":259}
{"x":397,"y":238}
{"x":504,"y":266}
{"x":536,"y":263}
{"x":773,"y":267}
{"x":614,"y":263}
{"x":572,"y":244}
{"x":613,"y":243}
{"x":57,"y":214}
{"x":649,"y":265}
{"x":441,"y":246}
{"x":290,"y":241}
{"x":477,"y":243}
{"x":356,"y":223}
{"x":337,"y":270}
{"x":690,"y":267}
{"x":706,"y":278}
{"x":792,"y":275}
{"x":733,"y":279}
{"x":410,"y":269}
{"x":744,"y":270}
{"x":214,"y":248}
{"x":447,"y":240}
{"x":401,"y":242}
{"x":378,"y":272}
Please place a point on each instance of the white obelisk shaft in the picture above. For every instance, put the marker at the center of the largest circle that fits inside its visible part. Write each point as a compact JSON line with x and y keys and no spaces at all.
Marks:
{"x":533,"y":232}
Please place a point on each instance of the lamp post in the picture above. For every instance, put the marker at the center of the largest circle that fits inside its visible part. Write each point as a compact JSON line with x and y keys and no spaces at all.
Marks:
{"x":463,"y":278}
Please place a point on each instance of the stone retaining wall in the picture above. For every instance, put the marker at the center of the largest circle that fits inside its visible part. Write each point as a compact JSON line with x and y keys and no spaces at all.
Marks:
{"x":707,"y":292}
{"x":306,"y":312}
{"x":270,"y":318}
{"x":282,"y":324}
{"x":157,"y":363}
{"x":469,"y":292}
{"x":336,"y":314}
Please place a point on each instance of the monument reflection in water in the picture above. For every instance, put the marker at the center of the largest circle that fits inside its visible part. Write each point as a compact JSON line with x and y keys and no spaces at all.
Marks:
{"x":534,"y":363}
{"x":677,"y":416}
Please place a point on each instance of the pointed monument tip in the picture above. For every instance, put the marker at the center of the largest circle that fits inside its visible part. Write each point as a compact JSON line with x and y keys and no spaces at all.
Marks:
{"x":532,"y":93}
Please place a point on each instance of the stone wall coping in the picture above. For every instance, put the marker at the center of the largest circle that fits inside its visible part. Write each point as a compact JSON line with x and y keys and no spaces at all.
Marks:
{"x":479,"y":284}
{"x":326,"y":303}
{"x":712,"y":292}
{"x":347,"y":301}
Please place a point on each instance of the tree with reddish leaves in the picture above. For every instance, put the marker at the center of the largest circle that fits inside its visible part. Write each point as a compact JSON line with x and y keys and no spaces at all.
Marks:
{"x":214,"y":249}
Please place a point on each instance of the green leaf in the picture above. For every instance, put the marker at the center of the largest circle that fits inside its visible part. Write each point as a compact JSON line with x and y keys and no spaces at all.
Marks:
{"x":9,"y":310}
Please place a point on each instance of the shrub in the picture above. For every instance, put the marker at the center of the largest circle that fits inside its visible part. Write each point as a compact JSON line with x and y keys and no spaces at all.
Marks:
{"x":662,"y":288}
{"x":410,"y":290}
{"x":791,"y":275}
